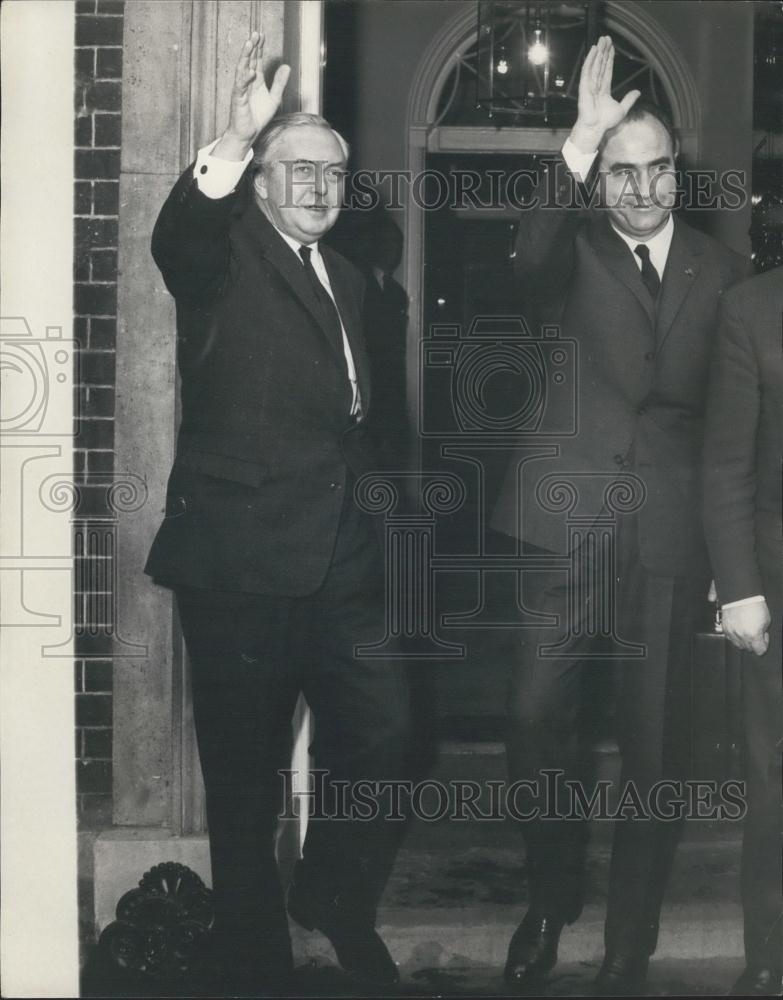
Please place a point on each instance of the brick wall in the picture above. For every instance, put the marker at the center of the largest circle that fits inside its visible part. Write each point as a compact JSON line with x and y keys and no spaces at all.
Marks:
{"x":97,"y":136}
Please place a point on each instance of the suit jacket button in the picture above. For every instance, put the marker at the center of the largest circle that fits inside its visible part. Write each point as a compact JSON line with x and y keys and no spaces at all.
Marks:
{"x":175,"y":506}
{"x":334,"y":486}
{"x":649,"y":356}
{"x":618,"y":459}
{"x":642,"y":410}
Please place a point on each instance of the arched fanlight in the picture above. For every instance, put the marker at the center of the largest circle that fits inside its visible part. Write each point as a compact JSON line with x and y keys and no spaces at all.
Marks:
{"x":529,"y":54}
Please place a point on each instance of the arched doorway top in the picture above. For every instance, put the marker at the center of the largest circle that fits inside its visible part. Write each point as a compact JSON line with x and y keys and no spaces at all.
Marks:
{"x":629,"y":21}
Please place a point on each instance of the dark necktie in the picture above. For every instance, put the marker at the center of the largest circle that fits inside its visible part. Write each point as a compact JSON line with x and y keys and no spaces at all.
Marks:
{"x":649,"y":274}
{"x":328,"y":308}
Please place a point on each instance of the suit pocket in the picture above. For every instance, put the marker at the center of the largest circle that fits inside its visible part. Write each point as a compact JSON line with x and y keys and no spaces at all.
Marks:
{"x":235,"y":470}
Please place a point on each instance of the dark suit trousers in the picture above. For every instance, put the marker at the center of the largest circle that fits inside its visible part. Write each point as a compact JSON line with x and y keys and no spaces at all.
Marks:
{"x":547,"y":705}
{"x":762,"y":697}
{"x":250,"y":657}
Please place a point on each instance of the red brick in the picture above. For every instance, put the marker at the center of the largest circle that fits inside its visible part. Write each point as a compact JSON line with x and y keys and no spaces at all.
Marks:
{"x":93,"y":710}
{"x":90,"y":164}
{"x":90,"y":540}
{"x":100,"y":461}
{"x":98,"y":300}
{"x":82,"y":131}
{"x":104,"y":265}
{"x":98,"y":675}
{"x":97,"y":234}
{"x":80,"y":328}
{"x":92,"y":645}
{"x":94,"y":434}
{"x":76,"y":401}
{"x":97,"y":744}
{"x":93,"y":234}
{"x":104,"y":96}
{"x":108,"y":129}
{"x":94,"y":402}
{"x":81,"y":268}
{"x":85,"y":65}
{"x":106,"y":198}
{"x":82,"y":198}
{"x":103,"y":333}
{"x":96,"y":30}
{"x":93,"y":776}
{"x":97,"y":368}
{"x":109,"y":64}
{"x":97,"y":140}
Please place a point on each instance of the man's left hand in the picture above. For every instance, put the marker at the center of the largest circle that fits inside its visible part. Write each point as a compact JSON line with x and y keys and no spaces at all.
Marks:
{"x":747,"y":626}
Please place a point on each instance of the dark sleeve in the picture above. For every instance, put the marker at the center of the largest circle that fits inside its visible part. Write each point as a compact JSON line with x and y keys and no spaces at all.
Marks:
{"x":190,"y":241}
{"x":740,"y":269}
{"x":747,"y":270}
{"x":544,"y":251}
{"x":733,"y":405}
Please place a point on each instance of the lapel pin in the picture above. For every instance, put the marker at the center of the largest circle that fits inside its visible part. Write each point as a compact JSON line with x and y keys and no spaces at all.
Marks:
{"x":689,"y":272}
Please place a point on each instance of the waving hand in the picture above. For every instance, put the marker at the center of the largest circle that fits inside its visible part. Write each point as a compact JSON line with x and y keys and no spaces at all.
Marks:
{"x":598,"y":110}
{"x":253,"y":104}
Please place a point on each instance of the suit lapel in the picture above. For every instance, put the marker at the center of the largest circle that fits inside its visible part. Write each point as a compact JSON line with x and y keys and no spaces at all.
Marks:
{"x":679,"y":276}
{"x":350,"y":314}
{"x":617,"y":256}
{"x":285,"y":261}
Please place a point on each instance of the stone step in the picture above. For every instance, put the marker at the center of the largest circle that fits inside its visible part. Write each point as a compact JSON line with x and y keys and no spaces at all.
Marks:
{"x":461,"y":906}
{"x":710,"y":977}
{"x":457,"y":891}
{"x":425,"y":938}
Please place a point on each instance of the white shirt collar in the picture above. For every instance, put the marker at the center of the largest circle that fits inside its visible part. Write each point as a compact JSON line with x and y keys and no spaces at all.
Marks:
{"x":296,"y":244}
{"x":658,"y":245}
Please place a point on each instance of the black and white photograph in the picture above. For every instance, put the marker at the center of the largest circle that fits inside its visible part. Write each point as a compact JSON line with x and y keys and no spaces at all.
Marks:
{"x":390,"y":543}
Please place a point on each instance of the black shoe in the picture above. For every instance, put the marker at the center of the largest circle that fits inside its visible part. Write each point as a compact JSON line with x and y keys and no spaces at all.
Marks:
{"x":358,"y":946}
{"x":621,"y":975}
{"x":532,"y":951}
{"x":758,"y":983}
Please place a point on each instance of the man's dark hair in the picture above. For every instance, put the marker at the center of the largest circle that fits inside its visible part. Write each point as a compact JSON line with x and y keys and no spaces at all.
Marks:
{"x":646,"y":109}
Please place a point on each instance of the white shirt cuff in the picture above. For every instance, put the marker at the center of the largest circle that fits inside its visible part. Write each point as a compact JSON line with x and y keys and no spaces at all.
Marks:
{"x":578,"y":163}
{"x":757,"y":599}
{"x":215,"y":177}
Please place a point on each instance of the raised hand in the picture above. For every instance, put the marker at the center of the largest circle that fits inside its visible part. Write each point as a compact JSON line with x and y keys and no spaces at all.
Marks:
{"x":598,"y":111}
{"x":253,"y":104}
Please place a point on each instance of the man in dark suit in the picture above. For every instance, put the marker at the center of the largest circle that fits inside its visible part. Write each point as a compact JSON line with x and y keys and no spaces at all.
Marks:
{"x":386,"y":325}
{"x":638,"y":291}
{"x":742,"y":518}
{"x":277,"y":572}
{"x":372,"y":241}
